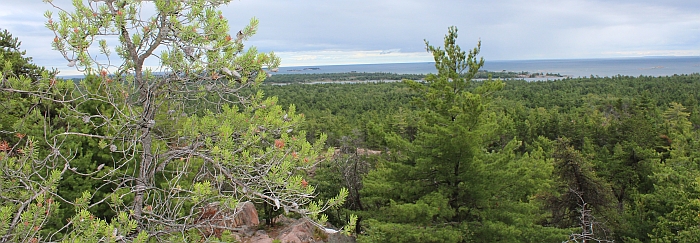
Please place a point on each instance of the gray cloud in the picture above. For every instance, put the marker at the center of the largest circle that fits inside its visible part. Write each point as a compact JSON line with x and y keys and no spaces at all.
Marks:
{"x":508,"y":29}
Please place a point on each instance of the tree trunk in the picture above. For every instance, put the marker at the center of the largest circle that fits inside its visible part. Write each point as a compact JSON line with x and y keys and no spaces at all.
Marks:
{"x":145,"y":175}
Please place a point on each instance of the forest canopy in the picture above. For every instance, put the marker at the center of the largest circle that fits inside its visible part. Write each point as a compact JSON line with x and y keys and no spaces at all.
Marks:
{"x":134,"y":154}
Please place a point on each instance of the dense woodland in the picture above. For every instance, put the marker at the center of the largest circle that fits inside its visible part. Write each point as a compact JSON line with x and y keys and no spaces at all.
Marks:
{"x":435,"y":158}
{"x":630,"y":140}
{"x":535,"y":154}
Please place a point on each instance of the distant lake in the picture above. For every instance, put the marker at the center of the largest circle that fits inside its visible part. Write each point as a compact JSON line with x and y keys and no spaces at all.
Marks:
{"x":647,"y":66}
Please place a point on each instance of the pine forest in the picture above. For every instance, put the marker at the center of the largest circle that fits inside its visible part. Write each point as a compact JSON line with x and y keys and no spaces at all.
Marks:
{"x":135,"y":153}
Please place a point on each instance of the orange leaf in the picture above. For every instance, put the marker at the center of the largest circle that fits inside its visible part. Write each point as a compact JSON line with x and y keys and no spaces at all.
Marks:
{"x":279,"y":143}
{"x":4,"y":146}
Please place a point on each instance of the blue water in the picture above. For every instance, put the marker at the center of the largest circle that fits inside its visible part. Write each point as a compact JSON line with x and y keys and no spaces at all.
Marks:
{"x":647,"y":66}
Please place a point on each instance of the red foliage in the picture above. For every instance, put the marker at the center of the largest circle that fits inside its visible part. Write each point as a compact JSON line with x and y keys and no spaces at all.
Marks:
{"x":279,"y":143}
{"x":4,"y":146}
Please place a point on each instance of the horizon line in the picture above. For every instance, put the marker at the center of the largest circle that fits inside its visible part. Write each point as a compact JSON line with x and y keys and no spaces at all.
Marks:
{"x":485,"y":61}
{"x":500,"y":60}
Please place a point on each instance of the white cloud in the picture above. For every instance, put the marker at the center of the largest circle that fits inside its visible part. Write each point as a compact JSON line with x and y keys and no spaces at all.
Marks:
{"x":311,"y":58}
{"x":692,"y":52}
{"x":326,"y":32}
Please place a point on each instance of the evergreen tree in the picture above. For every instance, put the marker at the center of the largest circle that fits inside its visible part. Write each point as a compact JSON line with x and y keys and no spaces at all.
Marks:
{"x":674,"y":205}
{"x":180,"y":139}
{"x":12,"y":55}
{"x":28,"y":118}
{"x":579,"y":189}
{"x":443,"y":185}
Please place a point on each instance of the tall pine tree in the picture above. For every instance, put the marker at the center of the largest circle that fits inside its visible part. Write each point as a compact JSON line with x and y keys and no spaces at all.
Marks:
{"x":446,"y":184}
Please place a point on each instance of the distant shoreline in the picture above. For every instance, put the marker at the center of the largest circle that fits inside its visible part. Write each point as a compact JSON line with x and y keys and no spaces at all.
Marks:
{"x":626,"y":66}
{"x":602,"y":67}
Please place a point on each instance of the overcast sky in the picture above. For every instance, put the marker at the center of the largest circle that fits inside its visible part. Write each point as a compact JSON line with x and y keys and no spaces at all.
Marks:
{"x":328,"y":32}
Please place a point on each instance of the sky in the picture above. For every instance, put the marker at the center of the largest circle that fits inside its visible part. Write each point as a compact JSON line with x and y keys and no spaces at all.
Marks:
{"x":333,"y":32}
